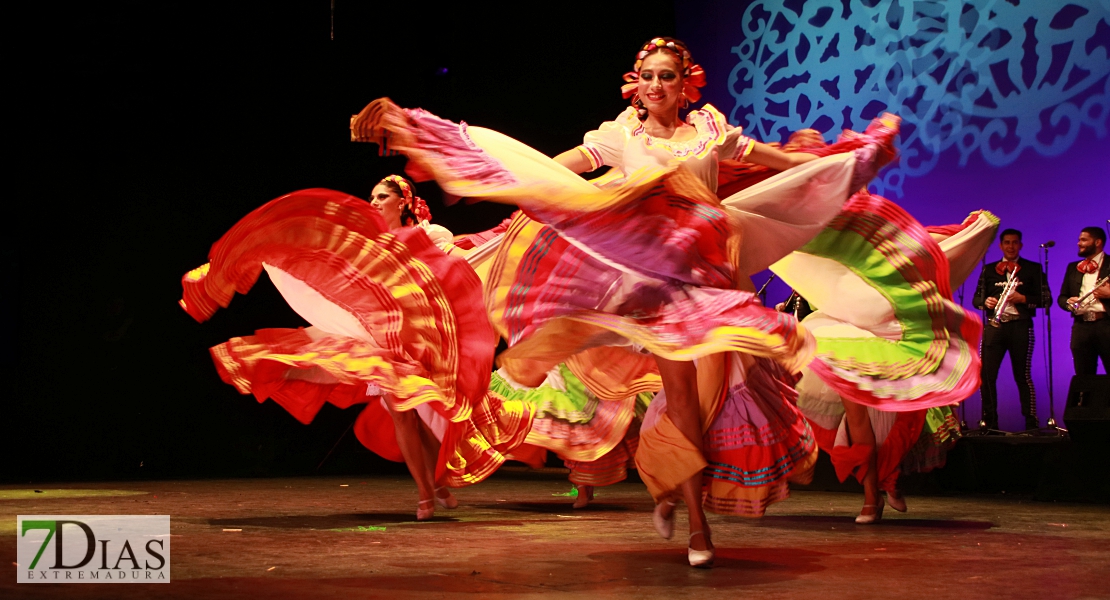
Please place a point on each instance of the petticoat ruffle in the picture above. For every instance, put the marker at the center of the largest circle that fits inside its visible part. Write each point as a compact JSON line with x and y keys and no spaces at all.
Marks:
{"x":259,"y":365}
{"x":939,"y":434}
{"x":569,"y":419}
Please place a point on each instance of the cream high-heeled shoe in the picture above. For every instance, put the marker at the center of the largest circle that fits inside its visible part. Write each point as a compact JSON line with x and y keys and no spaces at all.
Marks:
{"x":449,"y":501}
{"x":423,"y":514}
{"x":664,"y":526}
{"x":702,"y":559}
{"x":863,"y":519}
{"x":898,"y":503}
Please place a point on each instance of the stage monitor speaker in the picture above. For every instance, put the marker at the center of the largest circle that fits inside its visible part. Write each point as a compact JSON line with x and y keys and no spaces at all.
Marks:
{"x":1087,"y":413}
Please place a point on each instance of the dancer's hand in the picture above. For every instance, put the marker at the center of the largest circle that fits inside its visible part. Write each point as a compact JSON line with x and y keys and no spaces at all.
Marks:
{"x":366,"y":125}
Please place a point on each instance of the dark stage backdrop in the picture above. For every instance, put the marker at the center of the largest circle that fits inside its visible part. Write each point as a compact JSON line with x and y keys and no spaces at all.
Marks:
{"x":154,"y":126}
{"x":149,"y":128}
{"x":1004,"y":106}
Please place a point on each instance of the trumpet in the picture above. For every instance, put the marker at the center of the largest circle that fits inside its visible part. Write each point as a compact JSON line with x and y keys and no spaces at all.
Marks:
{"x":1004,"y":298}
{"x":1078,"y":304}
{"x":792,"y":303}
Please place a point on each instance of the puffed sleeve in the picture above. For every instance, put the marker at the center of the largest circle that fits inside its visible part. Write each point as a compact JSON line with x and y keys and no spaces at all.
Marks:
{"x":440,"y":236}
{"x":604,"y":146}
{"x":736,"y":145}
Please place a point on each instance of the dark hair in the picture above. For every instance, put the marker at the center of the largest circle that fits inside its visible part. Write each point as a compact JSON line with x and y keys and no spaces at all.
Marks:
{"x":407,"y":216}
{"x":1006,"y":232}
{"x":1096,"y":232}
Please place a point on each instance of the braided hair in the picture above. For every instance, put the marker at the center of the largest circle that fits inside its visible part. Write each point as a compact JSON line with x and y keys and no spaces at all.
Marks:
{"x":413,"y":208}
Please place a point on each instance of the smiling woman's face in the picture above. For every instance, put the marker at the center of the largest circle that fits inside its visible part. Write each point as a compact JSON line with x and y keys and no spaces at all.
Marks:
{"x":660,"y":86}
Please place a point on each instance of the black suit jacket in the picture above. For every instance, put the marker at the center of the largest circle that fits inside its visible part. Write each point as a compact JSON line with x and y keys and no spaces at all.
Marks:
{"x":1073,"y":280}
{"x":1031,"y":277}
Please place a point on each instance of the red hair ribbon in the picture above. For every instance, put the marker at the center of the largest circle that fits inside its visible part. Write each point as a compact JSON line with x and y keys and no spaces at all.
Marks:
{"x":410,"y":200}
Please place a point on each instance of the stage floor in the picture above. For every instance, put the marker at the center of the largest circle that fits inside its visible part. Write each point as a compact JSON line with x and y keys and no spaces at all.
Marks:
{"x":518,"y":537}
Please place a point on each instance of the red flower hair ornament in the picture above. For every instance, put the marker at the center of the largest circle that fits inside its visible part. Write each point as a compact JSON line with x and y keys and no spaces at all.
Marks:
{"x":693,"y":76}
{"x":409,"y":200}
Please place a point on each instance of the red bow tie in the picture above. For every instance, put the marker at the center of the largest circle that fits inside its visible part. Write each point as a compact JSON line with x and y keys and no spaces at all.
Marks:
{"x":1088,"y":266}
{"x":1006,"y":266}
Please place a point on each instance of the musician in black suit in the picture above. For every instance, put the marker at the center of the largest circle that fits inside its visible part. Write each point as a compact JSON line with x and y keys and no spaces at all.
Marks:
{"x":1090,"y":331}
{"x":1014,"y":331}
{"x":795,"y":304}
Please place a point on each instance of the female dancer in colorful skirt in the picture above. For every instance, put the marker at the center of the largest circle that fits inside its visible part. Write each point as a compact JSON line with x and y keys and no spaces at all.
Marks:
{"x":873,"y":444}
{"x":650,"y":264}
{"x":397,"y":325}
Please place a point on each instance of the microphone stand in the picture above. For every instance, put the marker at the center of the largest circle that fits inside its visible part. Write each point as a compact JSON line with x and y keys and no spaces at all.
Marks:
{"x":762,"y":291}
{"x":1046,"y":322}
{"x":982,"y":430}
{"x":963,"y":419}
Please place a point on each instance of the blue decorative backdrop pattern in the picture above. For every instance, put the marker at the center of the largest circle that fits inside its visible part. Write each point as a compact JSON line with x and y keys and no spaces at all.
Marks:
{"x":992,"y":77}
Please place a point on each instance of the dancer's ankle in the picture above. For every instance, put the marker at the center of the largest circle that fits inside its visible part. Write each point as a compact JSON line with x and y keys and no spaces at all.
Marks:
{"x":699,"y":538}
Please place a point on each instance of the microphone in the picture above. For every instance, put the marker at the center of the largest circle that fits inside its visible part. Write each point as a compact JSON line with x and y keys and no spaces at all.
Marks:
{"x":1048,"y":244}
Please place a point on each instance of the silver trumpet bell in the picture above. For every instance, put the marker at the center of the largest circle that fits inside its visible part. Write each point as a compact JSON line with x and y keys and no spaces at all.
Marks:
{"x":1004,"y":299}
{"x":1078,"y":304}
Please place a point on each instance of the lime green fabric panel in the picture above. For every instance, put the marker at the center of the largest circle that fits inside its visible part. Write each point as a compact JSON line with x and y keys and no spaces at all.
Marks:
{"x":910,"y":300}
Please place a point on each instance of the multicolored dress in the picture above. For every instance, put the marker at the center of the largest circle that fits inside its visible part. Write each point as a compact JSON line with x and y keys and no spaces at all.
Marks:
{"x":914,"y":440}
{"x":652,"y":262}
{"x":394,"y":319}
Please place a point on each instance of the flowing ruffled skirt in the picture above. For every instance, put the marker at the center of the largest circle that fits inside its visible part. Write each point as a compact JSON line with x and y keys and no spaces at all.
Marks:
{"x":394,"y":320}
{"x":914,"y":440}
{"x":655,"y":260}
{"x":755,"y":439}
{"x":596,"y":439}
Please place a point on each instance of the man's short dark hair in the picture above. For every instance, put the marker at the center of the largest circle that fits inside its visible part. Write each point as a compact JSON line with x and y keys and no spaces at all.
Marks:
{"x":1006,"y":232}
{"x":1096,"y":232}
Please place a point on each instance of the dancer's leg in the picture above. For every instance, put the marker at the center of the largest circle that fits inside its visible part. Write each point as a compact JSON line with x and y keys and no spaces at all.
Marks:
{"x":406,"y":424}
{"x":430,"y":444}
{"x":680,"y":382}
{"x":860,"y":432}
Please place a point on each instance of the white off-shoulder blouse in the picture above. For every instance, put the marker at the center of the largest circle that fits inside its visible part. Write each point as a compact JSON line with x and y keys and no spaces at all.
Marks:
{"x":625,"y":145}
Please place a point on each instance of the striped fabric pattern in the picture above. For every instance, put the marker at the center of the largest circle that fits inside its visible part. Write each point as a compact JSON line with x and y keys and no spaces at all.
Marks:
{"x":396,"y":284}
{"x":570,"y":420}
{"x":429,"y":339}
{"x":938,"y":435}
{"x":539,"y":279}
{"x":934,"y":362}
{"x":757,"y":443}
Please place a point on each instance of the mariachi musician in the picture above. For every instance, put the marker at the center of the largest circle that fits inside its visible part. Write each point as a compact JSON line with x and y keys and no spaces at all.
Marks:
{"x":1086,"y":294}
{"x":796,"y":305}
{"x":1008,"y":314}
